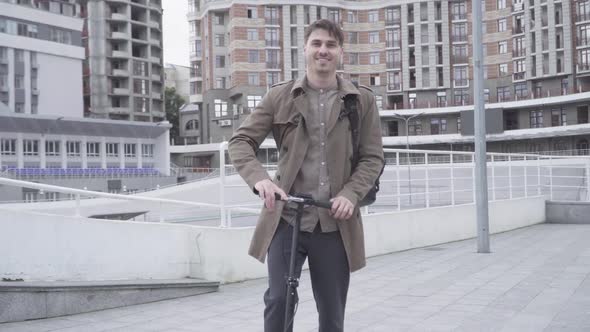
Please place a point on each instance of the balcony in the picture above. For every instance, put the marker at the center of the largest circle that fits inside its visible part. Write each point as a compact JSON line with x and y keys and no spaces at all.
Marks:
{"x":156,"y":77}
{"x":461,"y":83}
{"x":583,"y":66}
{"x":583,"y":41}
{"x":460,"y":59}
{"x":394,"y":86}
{"x":395,"y":21}
{"x":272,"y":43}
{"x":120,"y":91}
{"x":273,"y":65}
{"x":154,"y":24}
{"x":120,"y":72}
{"x":517,"y":30}
{"x":119,"y":17}
{"x":156,"y":95}
{"x":583,"y":17}
{"x":459,"y":38}
{"x":119,"y":54}
{"x":271,"y":21}
{"x":460,"y":16}
{"x":518,"y":76}
{"x":196,"y":73}
{"x":518,"y":52}
{"x":393,"y":64}
{"x":155,"y":59}
{"x":118,"y":35}
{"x":393,"y":43}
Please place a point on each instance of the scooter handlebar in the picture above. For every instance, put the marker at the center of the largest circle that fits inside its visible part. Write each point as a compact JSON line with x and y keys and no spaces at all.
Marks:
{"x":306,"y":201}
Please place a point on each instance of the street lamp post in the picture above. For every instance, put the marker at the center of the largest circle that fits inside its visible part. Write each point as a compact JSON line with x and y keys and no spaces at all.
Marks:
{"x":406,"y":118}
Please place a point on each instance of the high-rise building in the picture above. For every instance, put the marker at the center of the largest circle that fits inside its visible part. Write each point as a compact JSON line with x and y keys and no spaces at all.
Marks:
{"x":417,"y":58}
{"x":123,"y":73}
{"x":41,"y":57}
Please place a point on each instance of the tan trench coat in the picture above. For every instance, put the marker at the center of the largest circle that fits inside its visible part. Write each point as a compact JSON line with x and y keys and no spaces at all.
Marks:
{"x":284,"y":110}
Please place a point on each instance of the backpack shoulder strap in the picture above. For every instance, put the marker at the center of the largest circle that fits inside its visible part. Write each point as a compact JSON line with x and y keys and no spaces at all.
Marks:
{"x":351,"y":106}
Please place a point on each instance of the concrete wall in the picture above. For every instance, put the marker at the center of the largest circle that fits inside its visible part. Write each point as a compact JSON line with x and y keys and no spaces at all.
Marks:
{"x":45,"y":247}
{"x":568,"y":212}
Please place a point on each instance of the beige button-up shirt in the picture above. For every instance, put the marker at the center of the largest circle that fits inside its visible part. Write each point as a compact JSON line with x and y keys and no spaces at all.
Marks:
{"x":313,"y":177}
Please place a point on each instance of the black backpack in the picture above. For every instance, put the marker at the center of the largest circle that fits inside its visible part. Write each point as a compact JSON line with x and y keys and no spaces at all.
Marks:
{"x":351,"y":111}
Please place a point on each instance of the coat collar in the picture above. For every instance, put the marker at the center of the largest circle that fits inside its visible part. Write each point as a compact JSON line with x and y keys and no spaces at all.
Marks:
{"x":345,"y":87}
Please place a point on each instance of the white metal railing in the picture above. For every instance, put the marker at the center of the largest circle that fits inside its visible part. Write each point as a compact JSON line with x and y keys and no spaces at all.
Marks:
{"x":412,"y":179}
{"x":417,"y":179}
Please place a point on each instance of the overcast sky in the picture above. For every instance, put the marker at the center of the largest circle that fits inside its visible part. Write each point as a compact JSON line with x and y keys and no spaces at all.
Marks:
{"x":175,"y":32}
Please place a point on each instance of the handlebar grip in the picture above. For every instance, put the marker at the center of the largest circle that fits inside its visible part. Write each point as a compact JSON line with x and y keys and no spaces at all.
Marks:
{"x":323,"y":204}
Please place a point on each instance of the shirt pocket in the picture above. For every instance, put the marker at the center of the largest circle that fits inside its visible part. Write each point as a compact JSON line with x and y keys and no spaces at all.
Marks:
{"x":284,"y":126}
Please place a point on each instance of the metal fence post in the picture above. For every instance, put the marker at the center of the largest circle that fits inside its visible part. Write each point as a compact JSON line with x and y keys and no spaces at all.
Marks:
{"x":538,"y":175}
{"x":551,"y":177}
{"x":510,"y":176}
{"x":399,"y":193}
{"x":473,"y":178}
{"x":493,"y":179}
{"x":222,"y":215}
{"x":427,"y":179}
{"x":452,"y":179}
{"x":526,"y":187}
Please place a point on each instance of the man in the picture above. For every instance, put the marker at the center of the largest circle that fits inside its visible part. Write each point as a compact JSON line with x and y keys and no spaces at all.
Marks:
{"x":315,"y":147}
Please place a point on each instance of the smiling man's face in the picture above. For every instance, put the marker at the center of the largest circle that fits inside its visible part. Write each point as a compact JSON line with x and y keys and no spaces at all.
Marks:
{"x":322,"y":53}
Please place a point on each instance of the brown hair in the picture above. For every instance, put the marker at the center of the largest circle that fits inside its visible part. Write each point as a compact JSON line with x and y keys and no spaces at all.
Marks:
{"x":324,"y":24}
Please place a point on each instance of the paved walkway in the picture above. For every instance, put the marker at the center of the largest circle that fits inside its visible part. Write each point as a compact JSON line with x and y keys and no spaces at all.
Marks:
{"x":536,"y":279}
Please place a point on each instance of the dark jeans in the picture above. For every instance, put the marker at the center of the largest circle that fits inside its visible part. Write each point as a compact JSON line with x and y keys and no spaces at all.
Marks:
{"x":328,"y":268}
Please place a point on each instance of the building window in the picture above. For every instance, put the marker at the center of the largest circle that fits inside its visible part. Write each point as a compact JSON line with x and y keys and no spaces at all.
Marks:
{"x":501,"y":25}
{"x":501,"y":4}
{"x":30,"y":147}
{"x":503,"y":93}
{"x":19,"y":81}
{"x":373,"y":37}
{"x":252,"y":12}
{"x":129,"y":150}
{"x":558,"y":117}
{"x":459,"y":124}
{"x":521,"y":90}
{"x":334,"y":15}
{"x":415,"y":127}
{"x":19,"y":107}
{"x":353,"y":37}
{"x":374,"y":58}
{"x":219,"y":39}
{"x":272,"y":78}
{"x":220,"y":83}
{"x":502,"y":69}
{"x":218,"y":19}
{"x":8,"y":147}
{"x":272,"y":37}
{"x":253,"y":79}
{"x":460,"y":77}
{"x":220,"y":61}
{"x":271,"y":15}
{"x":93,"y":149}
{"x":438,"y":126}
{"x":536,"y":119}
{"x":353,"y":58}
{"x":252,"y":34}
{"x":373,"y":16}
{"x":52,"y":148}
{"x":353,"y":16}
{"x":112,"y":149}
{"x":461,"y":97}
{"x":253,"y":102}
{"x":191,"y":125}
{"x":375,"y":79}
{"x":502,"y":47}
{"x":379,"y":102}
{"x":73,"y":149}
{"x":220,"y":108}
{"x":511,"y":120}
{"x":253,"y":56}
{"x":147,"y":150}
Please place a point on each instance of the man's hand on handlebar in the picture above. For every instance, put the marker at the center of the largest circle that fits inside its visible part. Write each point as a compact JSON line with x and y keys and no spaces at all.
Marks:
{"x":267,"y":190}
{"x":342,"y":208}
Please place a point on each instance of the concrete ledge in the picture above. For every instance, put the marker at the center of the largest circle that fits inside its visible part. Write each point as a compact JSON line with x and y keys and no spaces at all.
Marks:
{"x":567,"y":212}
{"x":33,"y":300}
